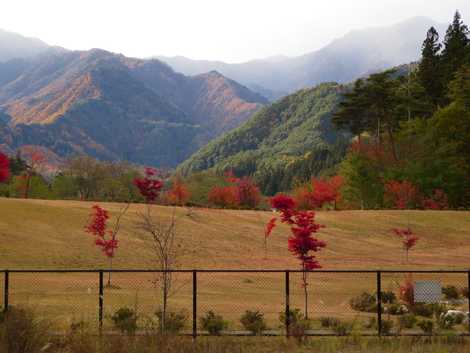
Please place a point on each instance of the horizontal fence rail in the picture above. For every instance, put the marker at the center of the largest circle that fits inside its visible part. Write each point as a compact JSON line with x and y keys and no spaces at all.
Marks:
{"x":336,"y":302}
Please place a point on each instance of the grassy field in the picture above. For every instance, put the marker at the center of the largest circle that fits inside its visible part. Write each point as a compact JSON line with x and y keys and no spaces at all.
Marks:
{"x":49,"y":234}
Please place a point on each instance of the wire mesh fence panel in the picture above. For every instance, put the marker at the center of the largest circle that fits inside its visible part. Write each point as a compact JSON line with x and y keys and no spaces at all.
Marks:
{"x":425,"y":303}
{"x":336,"y":303}
{"x":62,"y":298}
{"x":143,"y":293}
{"x":232,"y":294}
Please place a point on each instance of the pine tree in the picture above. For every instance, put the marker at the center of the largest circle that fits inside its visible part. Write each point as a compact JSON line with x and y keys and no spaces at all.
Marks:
{"x":455,"y":48}
{"x":429,"y":71}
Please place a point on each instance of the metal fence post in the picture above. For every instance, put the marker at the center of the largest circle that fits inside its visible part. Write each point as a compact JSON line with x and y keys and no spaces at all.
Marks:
{"x":194,"y":304}
{"x":379,"y":303}
{"x":100,"y":300}
{"x":468,"y":297}
{"x":6,"y":290}
{"x":287,"y":313}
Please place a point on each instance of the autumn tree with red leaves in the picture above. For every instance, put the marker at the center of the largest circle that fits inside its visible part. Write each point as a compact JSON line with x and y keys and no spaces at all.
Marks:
{"x":35,"y":160}
{"x":4,"y":168}
{"x":403,"y":194}
{"x":179,"y":193}
{"x":301,"y":243}
{"x":408,"y":239}
{"x":437,"y":201}
{"x":241,"y":192}
{"x":106,"y":239}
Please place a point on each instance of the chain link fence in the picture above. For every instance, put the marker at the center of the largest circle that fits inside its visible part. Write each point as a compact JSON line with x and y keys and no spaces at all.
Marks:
{"x":324,"y":302}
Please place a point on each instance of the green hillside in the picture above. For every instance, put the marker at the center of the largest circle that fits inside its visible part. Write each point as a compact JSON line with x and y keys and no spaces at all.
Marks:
{"x":286,"y":142}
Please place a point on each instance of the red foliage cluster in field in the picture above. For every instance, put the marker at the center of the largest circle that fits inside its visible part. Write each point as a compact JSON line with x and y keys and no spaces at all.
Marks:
{"x":301,"y":242}
{"x":241,"y":192}
{"x":319,"y":193}
{"x":149,"y":186}
{"x":409,"y":240}
{"x":105,"y":239}
{"x":179,"y":193}
{"x":4,"y":168}
{"x":405,"y":195}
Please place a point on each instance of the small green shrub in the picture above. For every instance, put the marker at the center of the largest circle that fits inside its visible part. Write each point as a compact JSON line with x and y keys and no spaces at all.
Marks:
{"x":387,"y":326}
{"x":253,"y":321}
{"x":427,"y":326}
{"x":396,"y":309}
{"x":451,"y":292}
{"x":388,"y":297}
{"x":421,"y":309}
{"x":328,"y":322}
{"x":295,"y":315}
{"x":22,"y":332}
{"x":371,"y":324}
{"x":342,"y":328}
{"x":174,"y":321}
{"x":213,"y":323}
{"x":446,"y":322}
{"x":407,"y":321}
{"x":125,"y":320}
{"x":365,"y":302}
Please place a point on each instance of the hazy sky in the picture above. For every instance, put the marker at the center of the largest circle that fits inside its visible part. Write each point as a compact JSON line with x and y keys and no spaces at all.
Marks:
{"x":232,"y":31}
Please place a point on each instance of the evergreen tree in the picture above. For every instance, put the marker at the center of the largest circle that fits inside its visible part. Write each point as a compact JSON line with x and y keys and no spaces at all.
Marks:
{"x":351,"y":114}
{"x":455,"y":48}
{"x":429,"y":68}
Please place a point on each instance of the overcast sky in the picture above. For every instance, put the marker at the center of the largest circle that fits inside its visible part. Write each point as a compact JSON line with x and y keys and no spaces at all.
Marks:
{"x":232,"y":31}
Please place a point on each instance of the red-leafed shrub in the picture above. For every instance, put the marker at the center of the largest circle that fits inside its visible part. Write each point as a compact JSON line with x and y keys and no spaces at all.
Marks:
{"x":248,"y":193}
{"x":437,"y":201}
{"x":179,"y":193}
{"x":242,"y":192}
{"x":402,"y":194}
{"x":224,"y":196}
{"x":4,"y":168}
{"x":149,"y":186}
{"x":319,"y":193}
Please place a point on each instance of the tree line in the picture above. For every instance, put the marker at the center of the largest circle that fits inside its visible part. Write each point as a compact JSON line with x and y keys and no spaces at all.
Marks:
{"x":412,"y":128}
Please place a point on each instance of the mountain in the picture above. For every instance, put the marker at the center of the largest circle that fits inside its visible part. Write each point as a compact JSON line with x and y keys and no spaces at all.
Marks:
{"x":356,"y":54}
{"x":288,"y":141}
{"x":14,"y":45}
{"x":113,"y":107}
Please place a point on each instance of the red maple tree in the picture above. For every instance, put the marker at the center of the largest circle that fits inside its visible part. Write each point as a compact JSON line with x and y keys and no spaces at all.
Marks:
{"x":437,"y":201}
{"x":4,"y":168}
{"x":301,"y":243}
{"x":179,"y":193}
{"x":403,"y":194}
{"x":105,"y":239}
{"x":407,"y":237}
{"x":150,"y":185}
{"x":240,"y":192}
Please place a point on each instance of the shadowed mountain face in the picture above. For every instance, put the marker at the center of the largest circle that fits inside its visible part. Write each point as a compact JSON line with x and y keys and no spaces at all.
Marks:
{"x":356,"y":54}
{"x":113,"y":107}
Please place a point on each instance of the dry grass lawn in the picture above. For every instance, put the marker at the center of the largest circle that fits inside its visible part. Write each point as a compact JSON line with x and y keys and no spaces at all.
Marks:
{"x":49,"y":235}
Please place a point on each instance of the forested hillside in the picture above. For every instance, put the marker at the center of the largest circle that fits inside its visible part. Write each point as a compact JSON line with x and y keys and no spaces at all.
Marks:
{"x":286,"y":142}
{"x":412,"y":134}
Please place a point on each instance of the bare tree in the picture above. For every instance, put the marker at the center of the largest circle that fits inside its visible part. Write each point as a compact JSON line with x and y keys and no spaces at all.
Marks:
{"x":168,"y":250}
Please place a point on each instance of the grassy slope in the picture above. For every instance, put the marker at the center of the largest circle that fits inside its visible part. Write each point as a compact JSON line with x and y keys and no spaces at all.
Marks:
{"x":49,"y":234}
